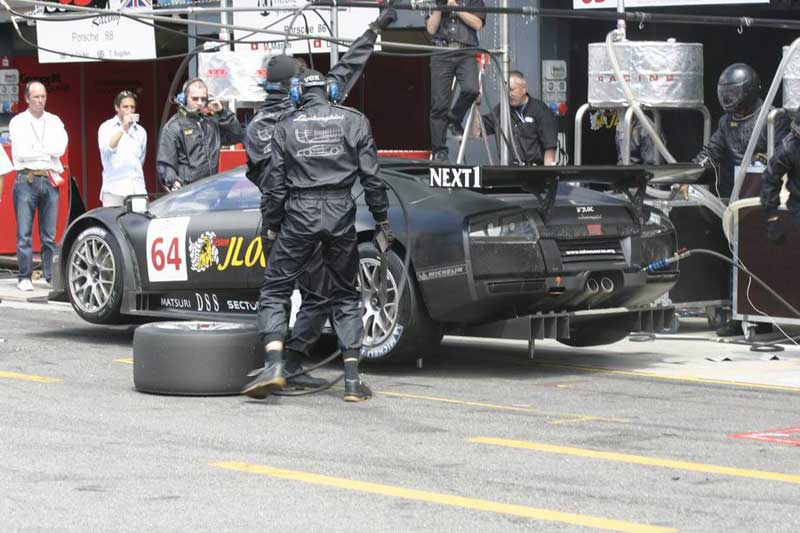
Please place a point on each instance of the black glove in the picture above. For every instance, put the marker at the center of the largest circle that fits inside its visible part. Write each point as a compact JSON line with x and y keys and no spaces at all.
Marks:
{"x":267,"y":240}
{"x":774,"y":229}
{"x":383,"y":237}
{"x":387,"y":16}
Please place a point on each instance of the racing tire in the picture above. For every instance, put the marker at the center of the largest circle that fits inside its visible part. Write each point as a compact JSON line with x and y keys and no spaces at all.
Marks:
{"x":599,"y":332}
{"x":195,"y":358}
{"x":93,"y":276}
{"x":403,"y":333}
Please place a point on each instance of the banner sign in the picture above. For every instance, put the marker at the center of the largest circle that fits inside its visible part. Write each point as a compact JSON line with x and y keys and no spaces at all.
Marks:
{"x":101,"y":37}
{"x":352,"y":23}
{"x":592,"y":4}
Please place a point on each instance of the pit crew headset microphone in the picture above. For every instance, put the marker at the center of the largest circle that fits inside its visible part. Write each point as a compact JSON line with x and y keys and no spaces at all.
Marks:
{"x":318,"y":151}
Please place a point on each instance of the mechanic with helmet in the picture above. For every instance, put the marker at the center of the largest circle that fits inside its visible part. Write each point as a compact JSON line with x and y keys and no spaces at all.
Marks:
{"x":192,"y":138}
{"x":739,"y":94}
{"x":785,"y":160}
{"x":318,"y":151}
{"x":315,"y":308}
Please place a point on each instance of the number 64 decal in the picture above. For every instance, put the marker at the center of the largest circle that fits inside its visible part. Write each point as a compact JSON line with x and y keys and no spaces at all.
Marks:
{"x":166,"y":249}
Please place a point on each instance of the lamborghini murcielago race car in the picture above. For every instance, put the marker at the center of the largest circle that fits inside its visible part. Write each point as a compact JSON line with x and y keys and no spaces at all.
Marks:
{"x":510,"y":252}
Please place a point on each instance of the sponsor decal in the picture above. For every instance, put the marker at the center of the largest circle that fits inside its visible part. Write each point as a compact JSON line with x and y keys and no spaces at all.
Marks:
{"x":207,"y":303}
{"x":210,"y":302}
{"x":253,"y":254}
{"x":582,"y":210}
{"x":307,"y":118}
{"x":596,"y":251}
{"x":442,"y":272}
{"x":176,"y":303}
{"x":449,"y":177}
{"x":371,"y":352}
{"x":587,"y":212}
{"x":203,"y":253}
{"x":241,"y":305}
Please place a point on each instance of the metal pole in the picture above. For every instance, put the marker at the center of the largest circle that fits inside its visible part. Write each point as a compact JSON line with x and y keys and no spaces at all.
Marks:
{"x":577,"y":156}
{"x":621,"y":19}
{"x":627,"y":125}
{"x":335,"y":31}
{"x":225,"y":19}
{"x":505,"y":115}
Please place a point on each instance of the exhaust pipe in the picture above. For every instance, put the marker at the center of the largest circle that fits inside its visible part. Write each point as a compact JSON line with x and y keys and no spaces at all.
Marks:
{"x":606,"y":285}
{"x":592,"y":287}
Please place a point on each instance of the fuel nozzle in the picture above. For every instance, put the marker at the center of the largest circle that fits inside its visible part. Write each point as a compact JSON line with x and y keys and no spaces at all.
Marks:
{"x":666,"y":261}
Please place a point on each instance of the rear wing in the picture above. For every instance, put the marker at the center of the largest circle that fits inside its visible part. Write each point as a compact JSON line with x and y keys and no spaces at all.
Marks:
{"x":543,"y":181}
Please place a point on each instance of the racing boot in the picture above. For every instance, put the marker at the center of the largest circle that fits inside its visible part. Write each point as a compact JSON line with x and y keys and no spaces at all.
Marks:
{"x":303,"y":381}
{"x":268,"y":379}
{"x":355,"y":388}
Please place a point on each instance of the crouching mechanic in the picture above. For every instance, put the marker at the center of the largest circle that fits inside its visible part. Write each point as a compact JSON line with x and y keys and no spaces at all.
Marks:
{"x":314,"y":310}
{"x":318,"y":151}
{"x":786,"y":160}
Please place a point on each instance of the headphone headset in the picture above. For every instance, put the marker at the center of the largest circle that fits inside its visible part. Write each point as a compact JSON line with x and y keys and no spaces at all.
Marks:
{"x":297,"y":87}
{"x":181,"y":97}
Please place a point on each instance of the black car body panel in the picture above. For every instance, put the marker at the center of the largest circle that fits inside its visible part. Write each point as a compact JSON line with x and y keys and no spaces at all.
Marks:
{"x":476,"y":256}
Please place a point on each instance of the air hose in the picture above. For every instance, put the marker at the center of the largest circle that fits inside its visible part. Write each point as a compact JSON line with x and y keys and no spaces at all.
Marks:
{"x":679,"y":256}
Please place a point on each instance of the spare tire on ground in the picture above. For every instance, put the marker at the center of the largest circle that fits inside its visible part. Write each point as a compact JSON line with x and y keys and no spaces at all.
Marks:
{"x":195,"y":358}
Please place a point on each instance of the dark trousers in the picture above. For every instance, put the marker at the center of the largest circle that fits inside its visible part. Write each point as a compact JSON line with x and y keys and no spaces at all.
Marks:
{"x":315,"y":308}
{"x":444,"y":66}
{"x":313,"y":219}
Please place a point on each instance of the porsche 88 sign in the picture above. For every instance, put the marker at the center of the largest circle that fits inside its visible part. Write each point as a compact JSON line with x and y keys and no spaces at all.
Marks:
{"x":596,"y":4}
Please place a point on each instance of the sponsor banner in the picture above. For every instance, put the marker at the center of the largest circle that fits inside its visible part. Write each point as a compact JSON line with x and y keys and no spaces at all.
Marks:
{"x":102,"y":37}
{"x":352,"y":23}
{"x":591,"y":4}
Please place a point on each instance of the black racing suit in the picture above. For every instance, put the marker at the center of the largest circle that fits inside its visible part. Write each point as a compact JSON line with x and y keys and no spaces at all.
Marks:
{"x":318,"y":152}
{"x":190,"y":144}
{"x":728,"y":144}
{"x":313,"y":283}
{"x":785,"y":160}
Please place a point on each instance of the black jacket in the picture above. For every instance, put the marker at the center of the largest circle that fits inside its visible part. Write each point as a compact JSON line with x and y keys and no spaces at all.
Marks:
{"x":535,"y":129}
{"x":452,"y":29}
{"x":321,"y":145}
{"x":727,"y":145}
{"x":258,"y":137}
{"x":190,"y":144}
{"x":785,"y":160}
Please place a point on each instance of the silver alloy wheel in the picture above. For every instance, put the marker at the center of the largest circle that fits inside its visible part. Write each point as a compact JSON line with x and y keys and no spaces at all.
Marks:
{"x":91,"y":274}
{"x":379,"y":320}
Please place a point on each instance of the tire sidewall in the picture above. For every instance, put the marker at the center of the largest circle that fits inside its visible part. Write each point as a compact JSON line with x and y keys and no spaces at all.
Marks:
{"x":109,"y":313}
{"x":398,"y":341}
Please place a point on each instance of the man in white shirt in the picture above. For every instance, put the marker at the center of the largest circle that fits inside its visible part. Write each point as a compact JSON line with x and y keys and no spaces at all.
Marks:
{"x":38,"y":140}
{"x":123,"y":146}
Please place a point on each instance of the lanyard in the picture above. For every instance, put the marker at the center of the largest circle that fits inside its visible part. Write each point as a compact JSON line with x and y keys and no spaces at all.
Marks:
{"x":521,"y":112}
{"x":36,"y":133}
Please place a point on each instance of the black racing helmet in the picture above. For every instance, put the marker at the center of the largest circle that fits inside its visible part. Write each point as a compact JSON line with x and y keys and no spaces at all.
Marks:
{"x":739,"y":89}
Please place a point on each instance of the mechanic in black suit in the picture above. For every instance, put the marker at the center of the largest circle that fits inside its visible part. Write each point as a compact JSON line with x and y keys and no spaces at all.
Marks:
{"x":318,"y":151}
{"x":535,"y":127}
{"x":785,"y":160}
{"x":315,"y":308}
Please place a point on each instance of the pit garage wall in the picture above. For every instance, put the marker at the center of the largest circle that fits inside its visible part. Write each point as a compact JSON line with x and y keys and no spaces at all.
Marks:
{"x":82,"y":95}
{"x":761,"y":48}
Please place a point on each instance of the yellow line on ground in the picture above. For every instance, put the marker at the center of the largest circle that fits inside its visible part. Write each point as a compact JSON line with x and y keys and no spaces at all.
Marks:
{"x":438,"y":498}
{"x":28,"y":377}
{"x":490,"y":406}
{"x":639,"y":460}
{"x":124,"y":360}
{"x":574,"y":419}
{"x":667,"y":377}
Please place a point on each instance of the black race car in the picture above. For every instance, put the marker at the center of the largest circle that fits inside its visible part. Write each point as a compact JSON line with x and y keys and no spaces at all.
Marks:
{"x":491,"y":251}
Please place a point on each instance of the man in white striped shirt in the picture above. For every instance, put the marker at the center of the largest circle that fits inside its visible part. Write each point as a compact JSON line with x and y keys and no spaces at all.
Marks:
{"x":38,"y":140}
{"x":123,"y":146}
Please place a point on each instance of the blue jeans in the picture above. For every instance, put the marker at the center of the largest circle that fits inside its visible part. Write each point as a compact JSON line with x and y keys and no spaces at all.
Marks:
{"x":28,"y":197}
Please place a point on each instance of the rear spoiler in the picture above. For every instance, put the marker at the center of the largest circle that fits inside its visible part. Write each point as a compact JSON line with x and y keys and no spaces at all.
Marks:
{"x":543,"y":180}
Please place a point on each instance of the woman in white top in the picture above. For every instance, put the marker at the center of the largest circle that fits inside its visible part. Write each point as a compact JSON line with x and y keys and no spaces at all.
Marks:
{"x":123,"y":146}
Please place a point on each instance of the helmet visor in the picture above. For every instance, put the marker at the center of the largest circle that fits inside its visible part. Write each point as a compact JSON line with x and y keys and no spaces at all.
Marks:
{"x":730,"y":96}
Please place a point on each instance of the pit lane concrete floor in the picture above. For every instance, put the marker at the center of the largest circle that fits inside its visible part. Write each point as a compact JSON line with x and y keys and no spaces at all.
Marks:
{"x":625,"y":437}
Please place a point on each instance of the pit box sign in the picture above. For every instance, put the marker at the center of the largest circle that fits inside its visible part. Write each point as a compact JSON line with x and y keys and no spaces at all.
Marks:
{"x":612,"y":4}
{"x":94,"y":39}
{"x":277,"y":15}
